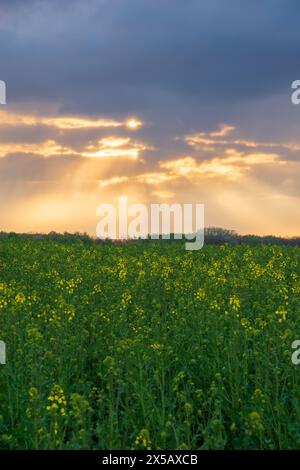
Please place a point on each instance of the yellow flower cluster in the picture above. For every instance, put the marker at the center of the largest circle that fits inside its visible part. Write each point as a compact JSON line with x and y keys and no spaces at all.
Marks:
{"x":200,"y":294}
{"x":143,"y":440}
{"x":282,"y":313}
{"x":57,"y":401}
{"x":20,"y":298}
{"x":235,"y":303}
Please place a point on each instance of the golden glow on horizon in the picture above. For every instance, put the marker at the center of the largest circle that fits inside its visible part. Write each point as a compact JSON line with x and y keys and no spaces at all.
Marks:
{"x":246,"y":184}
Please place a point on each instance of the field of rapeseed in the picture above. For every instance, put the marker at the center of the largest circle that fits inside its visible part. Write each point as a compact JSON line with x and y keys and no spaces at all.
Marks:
{"x":147,"y":346}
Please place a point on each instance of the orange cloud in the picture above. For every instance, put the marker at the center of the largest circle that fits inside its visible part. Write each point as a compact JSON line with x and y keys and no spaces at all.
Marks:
{"x":114,"y":146}
{"x":65,"y":122}
{"x":232,"y":165}
{"x":48,"y":148}
{"x":200,"y":140}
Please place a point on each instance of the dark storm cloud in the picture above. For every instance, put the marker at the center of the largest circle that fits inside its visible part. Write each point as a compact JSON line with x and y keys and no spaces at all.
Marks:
{"x":120,"y":56}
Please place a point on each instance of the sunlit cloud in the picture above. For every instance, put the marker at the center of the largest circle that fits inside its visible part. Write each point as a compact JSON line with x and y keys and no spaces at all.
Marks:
{"x":211,"y":141}
{"x":154,"y":178}
{"x":231,"y":165}
{"x":48,"y":148}
{"x":112,"y":141}
{"x":65,"y":122}
{"x":110,"y":146}
{"x":113,"y":181}
{"x":104,"y":148}
{"x":181,"y":166}
{"x":225,"y":129}
{"x":79,"y":123}
{"x":115,"y":147}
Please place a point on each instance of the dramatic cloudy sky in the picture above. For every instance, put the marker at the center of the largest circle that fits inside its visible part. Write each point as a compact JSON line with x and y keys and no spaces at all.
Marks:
{"x":207,"y":84}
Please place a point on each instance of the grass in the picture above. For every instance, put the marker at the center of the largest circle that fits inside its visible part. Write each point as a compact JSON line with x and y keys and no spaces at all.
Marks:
{"x":136,"y":346}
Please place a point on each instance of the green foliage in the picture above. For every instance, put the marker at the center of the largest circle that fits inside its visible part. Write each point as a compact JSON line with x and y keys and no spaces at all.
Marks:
{"x":146,"y":346}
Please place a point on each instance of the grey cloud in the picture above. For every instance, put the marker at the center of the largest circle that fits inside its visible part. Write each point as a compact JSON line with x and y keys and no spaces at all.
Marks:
{"x":114,"y":54}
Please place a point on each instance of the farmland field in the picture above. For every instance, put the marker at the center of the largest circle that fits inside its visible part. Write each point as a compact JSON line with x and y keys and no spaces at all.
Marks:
{"x":147,"y":346}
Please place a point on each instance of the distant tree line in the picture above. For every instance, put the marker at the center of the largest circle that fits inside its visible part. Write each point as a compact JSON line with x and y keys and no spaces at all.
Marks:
{"x":216,"y":235}
{"x":212,"y":235}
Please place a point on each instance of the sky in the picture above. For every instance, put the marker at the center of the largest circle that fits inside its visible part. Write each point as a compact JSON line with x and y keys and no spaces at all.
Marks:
{"x":164,"y":101}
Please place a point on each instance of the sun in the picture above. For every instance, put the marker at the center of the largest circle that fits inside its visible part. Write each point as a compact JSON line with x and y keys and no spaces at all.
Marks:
{"x":133,"y":124}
